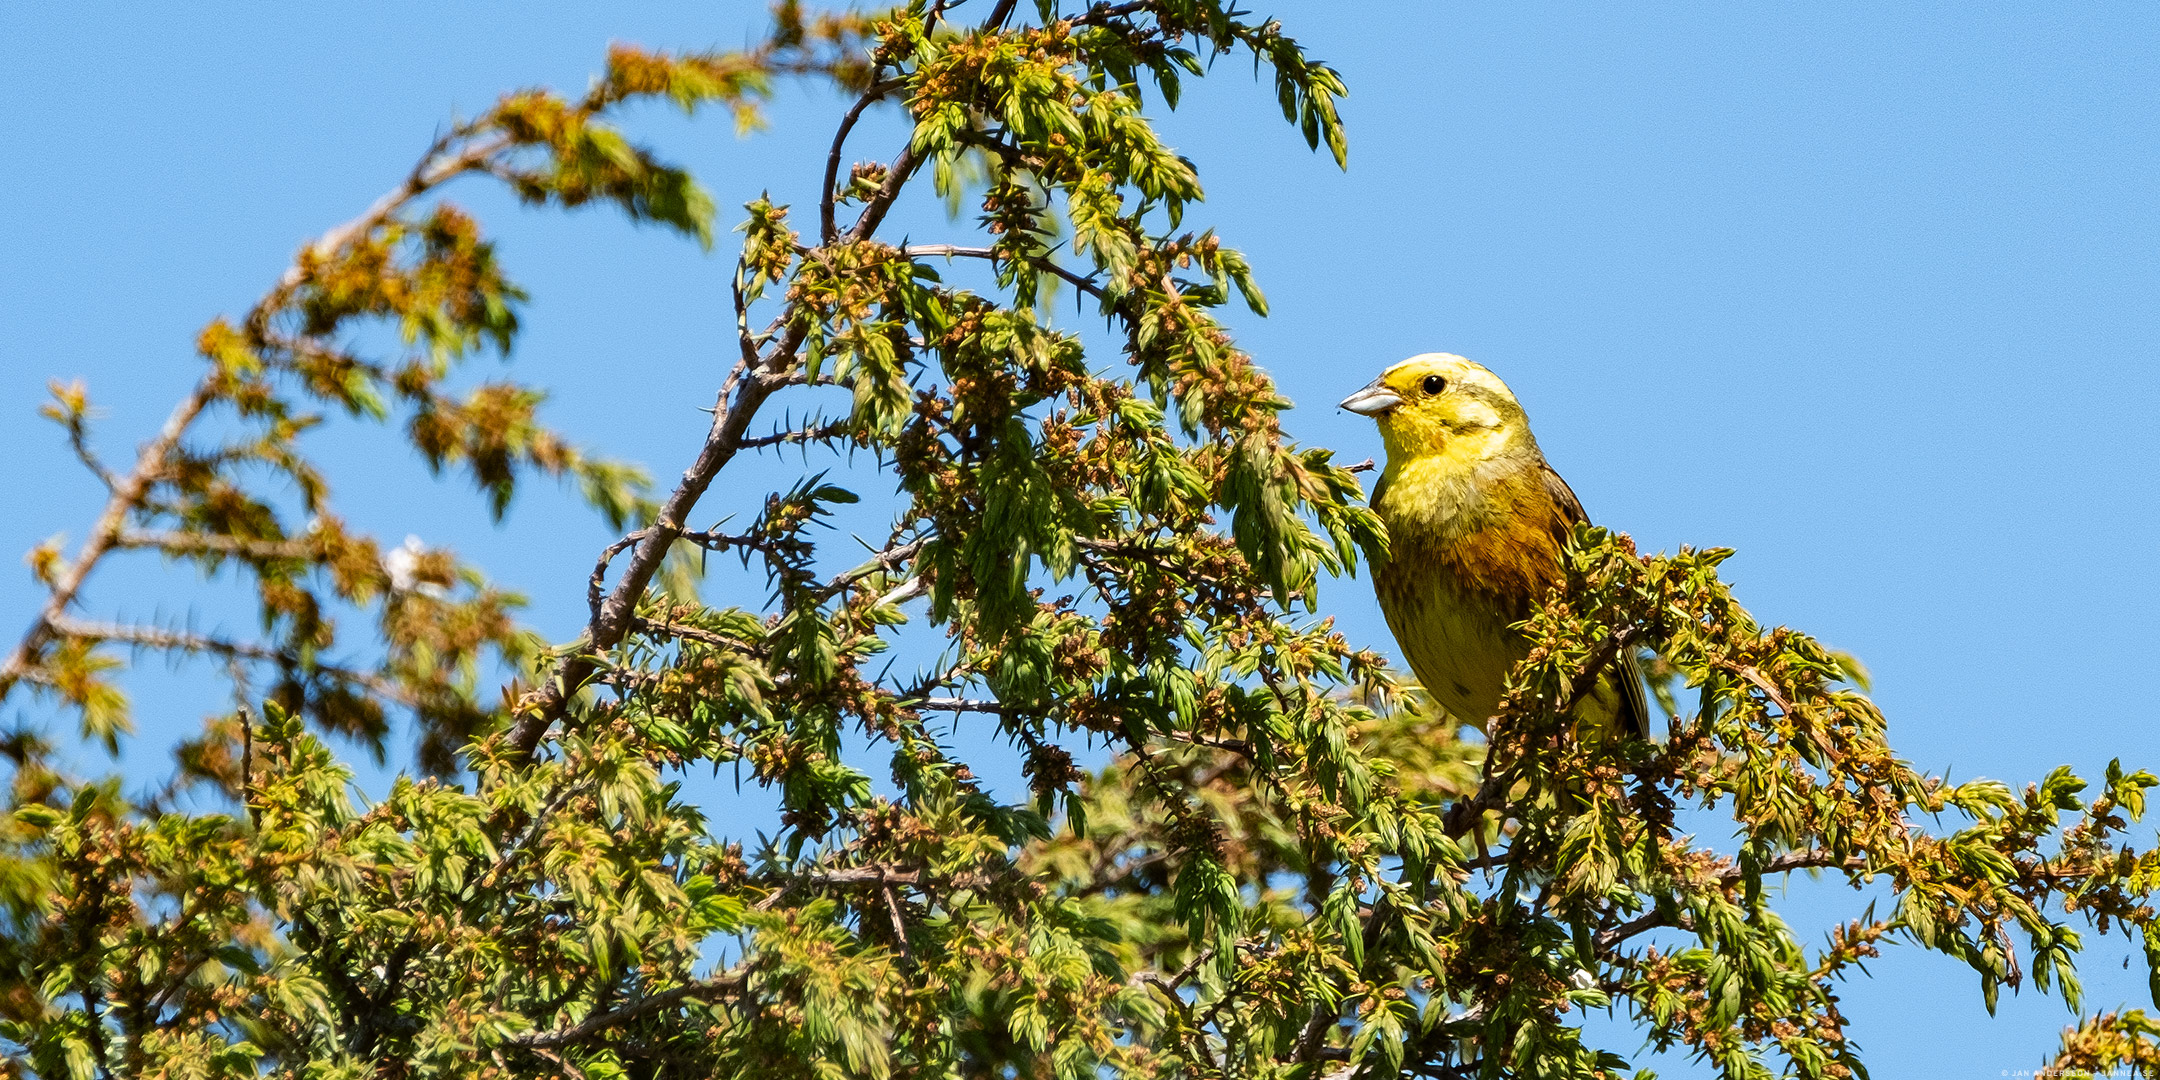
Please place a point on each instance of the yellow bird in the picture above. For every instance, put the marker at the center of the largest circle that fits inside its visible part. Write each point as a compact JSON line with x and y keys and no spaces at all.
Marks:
{"x":1476,"y":522}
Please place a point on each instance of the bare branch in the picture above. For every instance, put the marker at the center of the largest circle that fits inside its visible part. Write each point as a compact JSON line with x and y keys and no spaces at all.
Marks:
{"x":1171,"y":985}
{"x":598,"y":581}
{"x":905,"y":591}
{"x":881,"y":874}
{"x":715,"y":541}
{"x":881,"y":562}
{"x":1101,"y":13}
{"x":1647,"y":921}
{"x":1803,"y":860}
{"x":835,"y":430}
{"x":740,"y":396}
{"x":899,"y":926}
{"x":965,"y":705}
{"x":954,"y":251}
{"x":828,"y":195}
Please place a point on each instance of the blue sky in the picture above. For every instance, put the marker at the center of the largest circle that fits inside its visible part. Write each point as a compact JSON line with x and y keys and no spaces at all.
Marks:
{"x":1869,"y":292}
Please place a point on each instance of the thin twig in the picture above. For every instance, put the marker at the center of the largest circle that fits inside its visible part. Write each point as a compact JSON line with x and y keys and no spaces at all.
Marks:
{"x":827,"y":227}
{"x":879,"y":563}
{"x":730,"y":983}
{"x":569,"y":1070}
{"x":1100,"y":13}
{"x":899,"y":928}
{"x":247,"y":765}
{"x":1812,"y":859}
{"x":210,"y":543}
{"x":954,"y":251}
{"x":531,"y":832}
{"x":158,"y":637}
{"x":598,"y":581}
{"x":127,"y":494}
{"x":701,"y":636}
{"x":903,"y":592}
{"x":78,"y":440}
{"x":1648,"y":921}
{"x":964,"y":705}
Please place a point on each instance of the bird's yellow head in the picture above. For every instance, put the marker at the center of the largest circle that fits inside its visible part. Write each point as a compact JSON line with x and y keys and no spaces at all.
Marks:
{"x":1442,"y":404}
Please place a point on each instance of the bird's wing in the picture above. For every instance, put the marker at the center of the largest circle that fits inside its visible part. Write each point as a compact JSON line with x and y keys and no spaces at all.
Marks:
{"x":1634,"y":714}
{"x":1563,"y":496}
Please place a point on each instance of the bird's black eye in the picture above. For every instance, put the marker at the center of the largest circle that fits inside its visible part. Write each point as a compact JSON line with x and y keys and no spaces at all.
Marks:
{"x":1434,"y":384}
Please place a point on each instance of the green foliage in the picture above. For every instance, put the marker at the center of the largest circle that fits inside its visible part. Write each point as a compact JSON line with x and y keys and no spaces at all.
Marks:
{"x":1289,"y":865}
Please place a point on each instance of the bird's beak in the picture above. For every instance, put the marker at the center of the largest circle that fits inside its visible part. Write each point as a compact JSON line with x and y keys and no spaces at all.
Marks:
{"x":1375,"y":399}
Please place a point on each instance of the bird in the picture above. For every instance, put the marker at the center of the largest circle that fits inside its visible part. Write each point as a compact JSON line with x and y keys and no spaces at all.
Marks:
{"x":1477,"y":524}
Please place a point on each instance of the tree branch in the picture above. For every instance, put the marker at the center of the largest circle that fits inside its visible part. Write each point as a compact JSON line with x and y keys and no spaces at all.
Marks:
{"x":834,"y":430}
{"x":1101,"y":13}
{"x":595,"y":584}
{"x":157,"y":637}
{"x":827,"y":196}
{"x":701,"y":636}
{"x":129,"y":492}
{"x":955,"y":251}
{"x":740,"y":396}
{"x":79,"y":441}
{"x":965,"y":705}
{"x":882,"y":561}
{"x":1812,"y":859}
{"x":173,"y":543}
{"x":732,"y":982}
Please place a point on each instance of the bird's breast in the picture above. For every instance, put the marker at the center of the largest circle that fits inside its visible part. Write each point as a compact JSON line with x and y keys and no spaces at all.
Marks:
{"x":1459,"y":647}
{"x":1466,"y":562}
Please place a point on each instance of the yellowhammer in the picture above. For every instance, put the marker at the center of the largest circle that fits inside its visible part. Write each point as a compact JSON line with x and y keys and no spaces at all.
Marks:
{"x":1476,"y":525}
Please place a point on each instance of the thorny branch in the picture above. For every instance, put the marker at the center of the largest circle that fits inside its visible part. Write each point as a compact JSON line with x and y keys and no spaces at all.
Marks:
{"x":740,"y":396}
{"x":747,"y":387}
{"x":822,"y":433}
{"x":954,"y":251}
